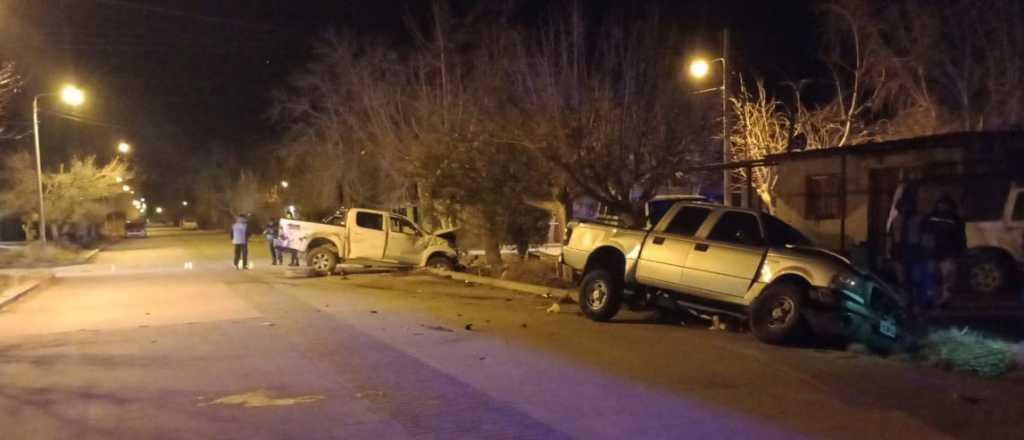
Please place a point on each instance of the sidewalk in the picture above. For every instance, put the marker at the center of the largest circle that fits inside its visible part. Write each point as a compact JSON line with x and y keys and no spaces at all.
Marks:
{"x":20,"y":282}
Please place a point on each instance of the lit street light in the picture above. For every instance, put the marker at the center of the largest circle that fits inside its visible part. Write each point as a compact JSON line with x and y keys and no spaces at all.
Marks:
{"x":184,"y":203}
{"x":126,"y":188}
{"x":72,"y":96}
{"x":159,"y":210}
{"x":124,"y":147}
{"x":284,"y":184}
{"x":699,"y":69}
{"x":118,"y":179}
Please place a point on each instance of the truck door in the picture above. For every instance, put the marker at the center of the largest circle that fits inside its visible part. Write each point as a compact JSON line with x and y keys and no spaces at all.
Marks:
{"x":726,"y":261}
{"x":665,"y":252}
{"x":404,"y":241}
{"x":367,"y":238}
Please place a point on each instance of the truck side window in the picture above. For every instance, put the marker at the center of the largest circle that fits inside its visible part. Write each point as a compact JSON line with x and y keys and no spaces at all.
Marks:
{"x":1018,"y":208}
{"x":402,"y":226}
{"x":687,"y":221}
{"x":739,"y":228}
{"x":370,"y":220}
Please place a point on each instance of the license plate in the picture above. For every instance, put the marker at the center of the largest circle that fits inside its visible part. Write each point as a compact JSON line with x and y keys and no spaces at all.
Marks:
{"x":887,"y":327}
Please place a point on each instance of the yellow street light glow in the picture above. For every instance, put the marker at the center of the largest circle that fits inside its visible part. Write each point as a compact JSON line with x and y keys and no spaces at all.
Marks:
{"x":159,"y":209}
{"x":119,"y":179}
{"x":126,"y":188}
{"x":699,"y":68}
{"x":72,"y":95}
{"x":124,"y":147}
{"x":184,"y":203}
{"x":284,"y":184}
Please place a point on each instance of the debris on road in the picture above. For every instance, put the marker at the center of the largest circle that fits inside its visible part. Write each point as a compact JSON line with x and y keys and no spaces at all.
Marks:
{"x":437,"y":328}
{"x":374,"y":312}
{"x":523,"y":325}
{"x":469,"y":327}
{"x":555,"y":308}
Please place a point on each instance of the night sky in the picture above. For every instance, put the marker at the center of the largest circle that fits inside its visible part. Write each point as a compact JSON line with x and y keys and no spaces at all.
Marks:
{"x":178,"y":77}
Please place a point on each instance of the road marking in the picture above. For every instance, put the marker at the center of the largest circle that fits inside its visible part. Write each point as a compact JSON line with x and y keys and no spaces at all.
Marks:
{"x":258,"y":398}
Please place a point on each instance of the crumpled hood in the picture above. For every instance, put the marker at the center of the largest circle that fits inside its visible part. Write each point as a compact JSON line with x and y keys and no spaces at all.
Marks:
{"x":813,"y":251}
{"x":447,"y":233}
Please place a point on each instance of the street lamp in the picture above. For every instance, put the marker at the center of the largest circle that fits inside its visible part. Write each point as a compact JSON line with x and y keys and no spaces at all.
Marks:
{"x":184,"y":203}
{"x":159,"y":210}
{"x":126,"y":188}
{"x":119,"y":179}
{"x":74,"y":97}
{"x":699,"y":68}
{"x":284,"y":184}
{"x":124,"y":147}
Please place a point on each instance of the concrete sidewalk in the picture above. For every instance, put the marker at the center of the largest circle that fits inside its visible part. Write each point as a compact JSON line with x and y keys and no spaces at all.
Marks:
{"x":22,"y":282}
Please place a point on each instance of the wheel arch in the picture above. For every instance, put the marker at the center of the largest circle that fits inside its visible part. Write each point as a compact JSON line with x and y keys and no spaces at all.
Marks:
{"x":608,"y":258}
{"x":323,"y":241}
{"x":431,"y":253}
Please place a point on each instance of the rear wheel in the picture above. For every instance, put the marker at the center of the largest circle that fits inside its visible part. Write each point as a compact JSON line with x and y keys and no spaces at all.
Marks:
{"x":775,"y":315}
{"x":988,"y":274}
{"x":600,"y":295}
{"x":323,"y":260}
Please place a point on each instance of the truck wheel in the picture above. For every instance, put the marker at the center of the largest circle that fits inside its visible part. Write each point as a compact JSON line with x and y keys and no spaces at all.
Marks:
{"x":323,"y":260}
{"x":440,"y":262}
{"x":988,"y":274}
{"x":775,"y":315}
{"x":600,"y":295}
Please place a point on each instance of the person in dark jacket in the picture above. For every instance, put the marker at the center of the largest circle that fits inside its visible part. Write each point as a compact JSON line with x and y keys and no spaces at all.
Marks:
{"x":945,"y":240}
{"x":270,"y":233}
{"x":908,"y":250}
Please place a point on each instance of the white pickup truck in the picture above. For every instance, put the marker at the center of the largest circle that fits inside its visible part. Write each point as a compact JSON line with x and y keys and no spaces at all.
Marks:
{"x":737,"y":262}
{"x":369,"y":237}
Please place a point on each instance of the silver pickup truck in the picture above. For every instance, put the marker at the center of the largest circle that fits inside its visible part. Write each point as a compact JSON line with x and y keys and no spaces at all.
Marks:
{"x":737,"y":262}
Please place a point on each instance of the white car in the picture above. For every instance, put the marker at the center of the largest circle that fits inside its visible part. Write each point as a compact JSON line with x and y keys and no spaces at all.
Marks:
{"x":135,"y":230}
{"x":189,"y":224}
{"x":369,"y":237}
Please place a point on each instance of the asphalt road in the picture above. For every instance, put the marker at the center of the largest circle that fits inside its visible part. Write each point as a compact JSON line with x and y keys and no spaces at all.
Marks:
{"x":162,"y":338}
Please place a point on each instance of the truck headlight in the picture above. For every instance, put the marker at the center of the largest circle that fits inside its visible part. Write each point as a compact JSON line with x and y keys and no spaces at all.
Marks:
{"x":846,"y":281}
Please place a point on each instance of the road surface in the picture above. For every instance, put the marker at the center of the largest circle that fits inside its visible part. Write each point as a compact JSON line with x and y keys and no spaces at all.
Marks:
{"x":162,"y":338}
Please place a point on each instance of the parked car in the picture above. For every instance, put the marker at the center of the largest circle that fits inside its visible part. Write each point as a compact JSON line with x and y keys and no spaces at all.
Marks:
{"x":189,"y":224}
{"x":994,"y":225}
{"x":734,"y":262}
{"x":135,"y":229}
{"x":373,"y":238}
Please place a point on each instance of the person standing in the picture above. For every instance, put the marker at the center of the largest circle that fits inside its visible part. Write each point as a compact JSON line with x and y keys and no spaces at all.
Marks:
{"x":240,"y":238}
{"x":270,"y":233}
{"x":945,"y":239}
{"x":908,"y":250}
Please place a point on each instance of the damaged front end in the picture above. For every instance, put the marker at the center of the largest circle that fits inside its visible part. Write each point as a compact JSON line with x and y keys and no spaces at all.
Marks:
{"x":862,"y":308}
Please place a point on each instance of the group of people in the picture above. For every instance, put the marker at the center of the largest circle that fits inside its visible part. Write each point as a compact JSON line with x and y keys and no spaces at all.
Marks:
{"x":278,"y":241}
{"x":927,"y":246}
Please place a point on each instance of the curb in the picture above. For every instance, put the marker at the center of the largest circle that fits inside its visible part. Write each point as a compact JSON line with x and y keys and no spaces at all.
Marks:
{"x":89,"y":255}
{"x":543,"y":291}
{"x":13,"y":293}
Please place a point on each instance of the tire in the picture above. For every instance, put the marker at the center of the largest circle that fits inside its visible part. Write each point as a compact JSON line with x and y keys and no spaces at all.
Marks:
{"x":988,"y":274}
{"x":323,"y":260}
{"x":600,"y":295}
{"x":440,"y":262}
{"x":775,"y":316}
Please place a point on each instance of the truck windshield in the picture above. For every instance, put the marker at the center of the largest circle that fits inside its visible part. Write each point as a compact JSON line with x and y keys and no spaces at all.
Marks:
{"x":780,"y":234}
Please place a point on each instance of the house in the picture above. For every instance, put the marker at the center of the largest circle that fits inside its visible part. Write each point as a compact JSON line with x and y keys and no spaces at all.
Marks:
{"x":842,"y":197}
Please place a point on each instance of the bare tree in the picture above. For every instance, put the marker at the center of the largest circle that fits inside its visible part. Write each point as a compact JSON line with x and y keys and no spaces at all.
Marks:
{"x":10,"y":83}
{"x":762,"y":127}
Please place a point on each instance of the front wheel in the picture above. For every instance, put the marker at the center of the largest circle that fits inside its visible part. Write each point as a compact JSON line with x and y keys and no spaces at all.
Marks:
{"x":323,"y":260}
{"x":440,"y":262}
{"x":775,"y":316}
{"x":600,"y":295}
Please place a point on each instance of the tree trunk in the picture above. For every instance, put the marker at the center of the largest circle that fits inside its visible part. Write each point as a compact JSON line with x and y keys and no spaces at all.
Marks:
{"x":492,"y":249}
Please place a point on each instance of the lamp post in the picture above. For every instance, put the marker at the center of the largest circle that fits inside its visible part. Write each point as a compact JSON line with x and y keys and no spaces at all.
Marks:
{"x":124,"y":147}
{"x":74,"y":97}
{"x":699,"y":69}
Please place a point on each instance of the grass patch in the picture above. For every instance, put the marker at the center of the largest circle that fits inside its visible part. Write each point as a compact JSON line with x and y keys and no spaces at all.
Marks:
{"x":971,"y":351}
{"x":34,"y":255}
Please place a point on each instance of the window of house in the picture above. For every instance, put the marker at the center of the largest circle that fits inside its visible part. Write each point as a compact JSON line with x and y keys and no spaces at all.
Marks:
{"x":370,"y":220}
{"x":737,"y":228}
{"x":823,"y":197}
{"x":687,"y":221}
